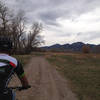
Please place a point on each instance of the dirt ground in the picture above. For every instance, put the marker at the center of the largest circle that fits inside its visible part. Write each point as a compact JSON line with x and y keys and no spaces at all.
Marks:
{"x":46,"y":82}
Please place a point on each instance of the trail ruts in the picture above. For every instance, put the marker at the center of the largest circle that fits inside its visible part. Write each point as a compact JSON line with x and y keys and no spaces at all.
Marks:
{"x":46,"y":82}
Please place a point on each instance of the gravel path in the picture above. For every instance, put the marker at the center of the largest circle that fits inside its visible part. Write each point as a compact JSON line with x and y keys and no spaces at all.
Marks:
{"x":46,"y":82}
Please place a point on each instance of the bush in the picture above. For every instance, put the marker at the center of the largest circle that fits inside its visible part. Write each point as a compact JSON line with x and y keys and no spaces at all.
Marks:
{"x":86,"y":49}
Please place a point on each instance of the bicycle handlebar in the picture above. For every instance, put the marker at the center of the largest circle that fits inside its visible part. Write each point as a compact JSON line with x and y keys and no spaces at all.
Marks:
{"x":19,"y":88}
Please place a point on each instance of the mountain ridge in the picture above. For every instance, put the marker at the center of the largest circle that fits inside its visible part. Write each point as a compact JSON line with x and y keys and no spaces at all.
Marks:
{"x":76,"y":46}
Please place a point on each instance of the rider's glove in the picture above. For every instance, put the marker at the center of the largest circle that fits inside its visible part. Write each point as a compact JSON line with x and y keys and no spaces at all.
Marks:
{"x":24,"y":87}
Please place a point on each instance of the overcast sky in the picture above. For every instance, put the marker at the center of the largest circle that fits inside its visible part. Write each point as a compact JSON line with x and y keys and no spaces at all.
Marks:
{"x":64,"y":21}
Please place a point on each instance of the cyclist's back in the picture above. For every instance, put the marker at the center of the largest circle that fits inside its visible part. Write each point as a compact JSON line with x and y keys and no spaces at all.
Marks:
{"x":8,"y":66}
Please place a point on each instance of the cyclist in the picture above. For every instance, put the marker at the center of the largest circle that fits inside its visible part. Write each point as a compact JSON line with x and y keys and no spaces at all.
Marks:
{"x":8,"y":66}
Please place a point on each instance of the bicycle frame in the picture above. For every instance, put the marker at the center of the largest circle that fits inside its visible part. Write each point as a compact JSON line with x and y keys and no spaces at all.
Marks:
{"x":14,"y":89}
{"x":13,"y":95}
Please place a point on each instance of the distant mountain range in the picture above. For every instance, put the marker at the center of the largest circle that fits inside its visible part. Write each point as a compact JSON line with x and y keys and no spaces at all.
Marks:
{"x":76,"y":47}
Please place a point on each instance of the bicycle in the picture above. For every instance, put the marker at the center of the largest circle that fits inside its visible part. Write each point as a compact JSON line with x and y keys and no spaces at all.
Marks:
{"x":10,"y":92}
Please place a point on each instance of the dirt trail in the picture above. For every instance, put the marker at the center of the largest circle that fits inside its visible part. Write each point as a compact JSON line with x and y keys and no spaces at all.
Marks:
{"x":46,"y":83}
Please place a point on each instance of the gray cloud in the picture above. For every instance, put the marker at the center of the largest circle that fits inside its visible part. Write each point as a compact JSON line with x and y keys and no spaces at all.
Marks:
{"x":88,"y":36}
{"x":49,"y":10}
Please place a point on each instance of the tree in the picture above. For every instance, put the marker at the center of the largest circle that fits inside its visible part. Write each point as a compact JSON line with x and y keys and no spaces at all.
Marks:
{"x":18,"y":30}
{"x":86,"y":49}
{"x":4,"y":19}
{"x":15,"y":27}
{"x":34,"y":39}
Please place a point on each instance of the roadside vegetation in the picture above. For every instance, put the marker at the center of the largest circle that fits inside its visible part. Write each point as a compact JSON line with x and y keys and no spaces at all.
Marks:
{"x":25,"y":39}
{"x":82,"y":71}
{"x":38,"y":53}
{"x":24,"y":59}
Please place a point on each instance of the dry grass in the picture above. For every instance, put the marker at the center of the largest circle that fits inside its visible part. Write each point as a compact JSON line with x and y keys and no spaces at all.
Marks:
{"x":23,"y":58}
{"x":83,"y":70}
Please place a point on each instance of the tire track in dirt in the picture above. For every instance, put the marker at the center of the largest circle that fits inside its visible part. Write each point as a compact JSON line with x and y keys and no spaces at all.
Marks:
{"x":46,"y":82}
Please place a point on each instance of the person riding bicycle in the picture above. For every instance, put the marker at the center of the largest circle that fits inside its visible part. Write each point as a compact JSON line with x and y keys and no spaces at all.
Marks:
{"x":8,"y":67}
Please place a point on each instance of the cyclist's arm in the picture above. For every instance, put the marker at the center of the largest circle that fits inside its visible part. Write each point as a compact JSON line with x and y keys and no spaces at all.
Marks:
{"x":21,"y":75}
{"x":24,"y":81}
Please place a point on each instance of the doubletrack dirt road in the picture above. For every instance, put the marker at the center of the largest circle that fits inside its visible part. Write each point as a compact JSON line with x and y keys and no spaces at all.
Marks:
{"x":46,"y":82}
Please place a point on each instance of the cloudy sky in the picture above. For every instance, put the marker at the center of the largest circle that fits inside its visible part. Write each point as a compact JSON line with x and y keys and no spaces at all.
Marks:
{"x":64,"y":21}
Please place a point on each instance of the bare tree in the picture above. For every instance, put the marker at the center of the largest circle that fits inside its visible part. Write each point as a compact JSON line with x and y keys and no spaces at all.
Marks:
{"x":86,"y":49}
{"x":15,"y":27}
{"x":34,"y":38}
{"x":4,"y":19}
{"x":18,"y":30}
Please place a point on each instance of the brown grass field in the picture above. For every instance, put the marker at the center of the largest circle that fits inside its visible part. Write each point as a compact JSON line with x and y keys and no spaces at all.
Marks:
{"x":82,"y":71}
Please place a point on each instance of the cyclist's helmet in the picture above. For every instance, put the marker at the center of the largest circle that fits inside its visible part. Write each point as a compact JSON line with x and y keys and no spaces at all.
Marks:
{"x":5,"y":43}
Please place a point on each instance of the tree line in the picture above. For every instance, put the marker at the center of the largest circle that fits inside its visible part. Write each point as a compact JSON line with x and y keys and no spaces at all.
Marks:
{"x":14,"y":26}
